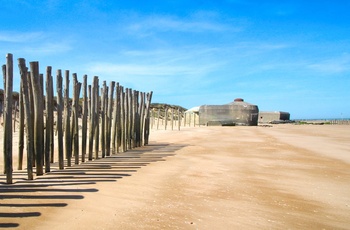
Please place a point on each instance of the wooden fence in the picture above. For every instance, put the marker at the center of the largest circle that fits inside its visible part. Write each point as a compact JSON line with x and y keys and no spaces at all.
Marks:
{"x":108,"y":119}
{"x":323,"y":121}
{"x":174,"y":119}
{"x":170,"y":118}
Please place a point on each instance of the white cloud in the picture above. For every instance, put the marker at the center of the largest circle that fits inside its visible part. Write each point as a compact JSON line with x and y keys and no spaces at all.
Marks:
{"x":164,"y":71}
{"x":332,"y":66}
{"x":48,"y":48}
{"x":20,"y":37}
{"x":166,"y":23}
{"x":155,"y":70}
{"x":38,"y":43}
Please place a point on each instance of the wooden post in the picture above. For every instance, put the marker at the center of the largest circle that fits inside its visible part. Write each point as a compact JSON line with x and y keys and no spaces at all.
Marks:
{"x":52,"y":118}
{"x":172,"y":118}
{"x":75,"y":121}
{"x":31,"y":104}
{"x":38,"y":117}
{"x":103,"y":119}
{"x":142,"y":119}
{"x":41,"y":83}
{"x":109,"y":118}
{"x":166,"y":117}
{"x":59,"y":123}
{"x":97,"y":117}
{"x":148,"y":105}
{"x":123,"y":118}
{"x":119,"y":116}
{"x":178,"y":119}
{"x":152,"y":116}
{"x":130,"y":118}
{"x":185,"y":114}
{"x":4,"y":78}
{"x":84,"y":119}
{"x":49,"y":114}
{"x":134,"y":112}
{"x":127,"y":119}
{"x":91,"y":120}
{"x":8,"y":119}
{"x":67,"y":136}
{"x":116,"y":121}
{"x":27,"y":112}
{"x":21,"y":128}
{"x":15,"y":116}
{"x":158,"y":116}
{"x":194,"y":120}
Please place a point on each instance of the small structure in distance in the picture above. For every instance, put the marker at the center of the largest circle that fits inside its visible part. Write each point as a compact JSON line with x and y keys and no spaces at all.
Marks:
{"x":274,"y":117}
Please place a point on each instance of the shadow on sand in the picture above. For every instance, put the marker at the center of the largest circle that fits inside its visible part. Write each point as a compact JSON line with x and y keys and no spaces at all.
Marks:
{"x":25,"y":199}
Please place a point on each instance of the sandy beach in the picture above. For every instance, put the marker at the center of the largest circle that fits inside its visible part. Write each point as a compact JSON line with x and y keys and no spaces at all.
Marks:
{"x":280,"y":177}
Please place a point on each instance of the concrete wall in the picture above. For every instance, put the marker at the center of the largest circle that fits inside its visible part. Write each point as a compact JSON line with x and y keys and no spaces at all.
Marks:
{"x":236,"y":113}
{"x":266,"y":117}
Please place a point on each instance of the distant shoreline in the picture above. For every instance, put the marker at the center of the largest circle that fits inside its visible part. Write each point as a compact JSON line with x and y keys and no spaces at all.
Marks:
{"x":321,"y":119}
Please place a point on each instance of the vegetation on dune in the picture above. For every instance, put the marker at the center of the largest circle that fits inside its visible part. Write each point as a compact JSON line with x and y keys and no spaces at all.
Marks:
{"x":163,"y":106}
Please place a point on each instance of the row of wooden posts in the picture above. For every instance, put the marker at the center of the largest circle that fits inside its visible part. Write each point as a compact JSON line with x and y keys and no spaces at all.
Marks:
{"x":173,"y":118}
{"x":113,"y":119}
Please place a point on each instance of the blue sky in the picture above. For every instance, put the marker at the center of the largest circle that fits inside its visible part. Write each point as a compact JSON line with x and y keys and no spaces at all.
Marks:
{"x":289,"y":56}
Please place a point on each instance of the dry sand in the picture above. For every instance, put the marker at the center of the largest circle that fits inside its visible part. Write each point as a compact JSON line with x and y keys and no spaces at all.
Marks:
{"x":280,"y":177}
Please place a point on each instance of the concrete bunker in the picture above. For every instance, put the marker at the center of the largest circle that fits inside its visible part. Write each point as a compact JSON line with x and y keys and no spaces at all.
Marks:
{"x":237,"y":112}
{"x":274,"y":117}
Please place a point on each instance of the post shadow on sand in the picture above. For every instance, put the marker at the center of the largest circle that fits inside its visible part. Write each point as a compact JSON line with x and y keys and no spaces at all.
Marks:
{"x":107,"y":169}
{"x":16,"y":215}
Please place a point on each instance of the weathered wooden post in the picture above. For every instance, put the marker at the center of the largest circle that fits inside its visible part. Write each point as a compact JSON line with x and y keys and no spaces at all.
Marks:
{"x":172,"y":118}
{"x":41,"y":83}
{"x":97,"y":117}
{"x":91,"y":120}
{"x":109,"y":118}
{"x":67,"y":135}
{"x":15,"y":116}
{"x":21,"y":129}
{"x":134,"y":94}
{"x":52,"y":118}
{"x":194,"y":120}
{"x":8,"y":119}
{"x":152,"y":116}
{"x":84,"y":119}
{"x":59,"y":123}
{"x":103,"y":118}
{"x":166,"y":118}
{"x":131,"y":118}
{"x":119,"y":120}
{"x":4,"y":79}
{"x":142,"y":119}
{"x":31,"y":104}
{"x":38,"y":117}
{"x":27,"y":112}
{"x":124,"y":118}
{"x":127,"y":119}
{"x":49,"y":114}
{"x":185,"y":114}
{"x":148,"y":105}
{"x":158,"y":116}
{"x":75,"y":121}
{"x":178,"y":119}
{"x":114,"y":121}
